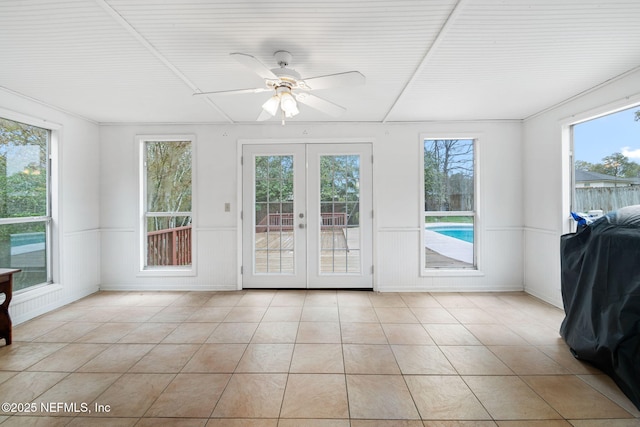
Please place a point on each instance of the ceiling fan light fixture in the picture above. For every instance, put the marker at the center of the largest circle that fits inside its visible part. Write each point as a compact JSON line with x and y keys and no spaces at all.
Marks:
{"x":293,"y":111}
{"x":288,"y":104}
{"x":290,"y":88}
{"x":271,"y":106}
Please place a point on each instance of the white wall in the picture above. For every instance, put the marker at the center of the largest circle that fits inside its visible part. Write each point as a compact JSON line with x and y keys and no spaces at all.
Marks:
{"x":546,"y":179}
{"x":521,"y":206}
{"x":396,"y":201}
{"x":76,"y":265}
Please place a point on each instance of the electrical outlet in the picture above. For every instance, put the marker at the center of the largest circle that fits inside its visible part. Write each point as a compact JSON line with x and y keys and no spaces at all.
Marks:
{"x":227,"y":207}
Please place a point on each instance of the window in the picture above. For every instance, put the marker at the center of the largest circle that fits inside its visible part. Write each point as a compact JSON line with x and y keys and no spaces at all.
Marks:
{"x":606,"y":163}
{"x":449,"y":204}
{"x":167,"y":203}
{"x":25,"y":206}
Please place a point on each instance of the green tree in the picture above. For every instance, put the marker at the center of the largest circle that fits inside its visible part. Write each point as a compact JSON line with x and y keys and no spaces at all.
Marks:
{"x":584,"y":166}
{"x":433,"y":181}
{"x":168,"y":182}
{"x":28,"y":195}
{"x":274,"y":179}
{"x":616,"y":164}
{"x":23,"y":170}
{"x":339,"y":186}
{"x":448,"y":175}
{"x":273,"y":186}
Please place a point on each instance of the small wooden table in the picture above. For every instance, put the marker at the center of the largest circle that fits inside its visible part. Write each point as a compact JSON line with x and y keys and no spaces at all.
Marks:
{"x":6,"y":288}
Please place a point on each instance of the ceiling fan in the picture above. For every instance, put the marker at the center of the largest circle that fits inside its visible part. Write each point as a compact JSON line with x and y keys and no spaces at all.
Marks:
{"x":288,"y":87}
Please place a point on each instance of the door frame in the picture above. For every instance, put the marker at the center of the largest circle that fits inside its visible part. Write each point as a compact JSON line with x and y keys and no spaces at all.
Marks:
{"x":239,"y":200}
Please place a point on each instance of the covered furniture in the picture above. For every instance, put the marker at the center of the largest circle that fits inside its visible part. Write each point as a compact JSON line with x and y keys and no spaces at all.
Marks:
{"x":600,"y":267}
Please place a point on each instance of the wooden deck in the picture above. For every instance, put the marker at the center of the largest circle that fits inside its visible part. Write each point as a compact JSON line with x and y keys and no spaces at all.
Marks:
{"x":446,"y":252}
{"x":435,"y":260}
{"x":338,"y":253}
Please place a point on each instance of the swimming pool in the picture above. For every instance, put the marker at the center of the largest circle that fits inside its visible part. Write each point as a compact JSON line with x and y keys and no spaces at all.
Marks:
{"x":457,"y":231}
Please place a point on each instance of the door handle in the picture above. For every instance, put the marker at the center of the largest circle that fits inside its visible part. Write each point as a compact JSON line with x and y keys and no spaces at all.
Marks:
{"x":301,"y":225}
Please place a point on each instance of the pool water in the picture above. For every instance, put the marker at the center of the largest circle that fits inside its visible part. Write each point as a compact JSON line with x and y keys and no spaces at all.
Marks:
{"x":22,"y":239}
{"x":461,"y":232}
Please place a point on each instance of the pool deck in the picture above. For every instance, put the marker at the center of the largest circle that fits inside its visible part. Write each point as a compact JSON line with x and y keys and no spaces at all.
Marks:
{"x":449,"y":247}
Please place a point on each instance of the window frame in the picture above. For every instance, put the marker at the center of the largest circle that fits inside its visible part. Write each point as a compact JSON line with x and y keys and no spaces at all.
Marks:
{"x":143,"y":214}
{"x":473,"y":270}
{"x":50,"y":218}
{"x":567,"y":124}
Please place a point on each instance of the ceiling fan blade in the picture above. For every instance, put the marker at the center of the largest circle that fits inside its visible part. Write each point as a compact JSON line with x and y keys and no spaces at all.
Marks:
{"x":320,"y":104}
{"x":252,"y":62}
{"x":264,"y":115}
{"x":235,"y":91}
{"x":350,"y":78}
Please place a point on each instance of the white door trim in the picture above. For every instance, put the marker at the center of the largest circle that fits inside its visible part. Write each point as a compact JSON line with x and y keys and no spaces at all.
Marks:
{"x":239,"y":192}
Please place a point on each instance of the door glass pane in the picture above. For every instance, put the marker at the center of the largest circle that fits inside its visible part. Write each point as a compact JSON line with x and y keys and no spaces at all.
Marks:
{"x":340,"y":214}
{"x":274,"y":220}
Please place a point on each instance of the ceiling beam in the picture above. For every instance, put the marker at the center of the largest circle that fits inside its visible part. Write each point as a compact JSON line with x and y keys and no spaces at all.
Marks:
{"x":127,"y":26}
{"x":430,"y":52}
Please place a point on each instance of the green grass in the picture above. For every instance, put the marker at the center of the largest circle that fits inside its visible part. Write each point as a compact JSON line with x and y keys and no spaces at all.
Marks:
{"x":458,"y":219}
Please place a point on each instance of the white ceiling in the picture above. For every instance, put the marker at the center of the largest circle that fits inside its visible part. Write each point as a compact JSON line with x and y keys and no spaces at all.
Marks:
{"x":141,"y":60}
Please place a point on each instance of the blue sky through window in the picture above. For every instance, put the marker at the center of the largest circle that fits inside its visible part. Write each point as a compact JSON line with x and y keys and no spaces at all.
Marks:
{"x":614,"y":133}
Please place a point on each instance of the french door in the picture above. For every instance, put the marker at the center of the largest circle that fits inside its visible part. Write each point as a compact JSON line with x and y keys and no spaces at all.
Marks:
{"x":307,"y":216}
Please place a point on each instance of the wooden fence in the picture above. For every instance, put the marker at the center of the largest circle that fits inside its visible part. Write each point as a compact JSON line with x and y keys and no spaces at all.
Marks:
{"x":169,"y":247}
{"x":606,"y":198}
{"x":284,"y":221}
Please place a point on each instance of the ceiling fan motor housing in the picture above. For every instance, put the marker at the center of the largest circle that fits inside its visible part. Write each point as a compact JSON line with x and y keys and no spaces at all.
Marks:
{"x":283,"y":58}
{"x":287,"y":76}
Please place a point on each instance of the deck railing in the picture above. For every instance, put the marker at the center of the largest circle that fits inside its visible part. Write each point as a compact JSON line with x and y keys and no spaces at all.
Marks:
{"x":284,"y":221}
{"x":171,"y":246}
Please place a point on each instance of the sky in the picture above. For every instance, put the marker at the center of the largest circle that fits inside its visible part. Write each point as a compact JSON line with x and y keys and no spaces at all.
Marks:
{"x":615,"y":133}
{"x":20,"y":156}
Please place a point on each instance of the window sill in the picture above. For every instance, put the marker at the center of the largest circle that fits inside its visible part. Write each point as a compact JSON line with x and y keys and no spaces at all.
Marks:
{"x":451,"y":273}
{"x":168,"y":272}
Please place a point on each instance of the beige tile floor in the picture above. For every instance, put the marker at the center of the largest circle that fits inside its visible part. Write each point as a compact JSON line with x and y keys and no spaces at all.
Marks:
{"x":303,"y":358}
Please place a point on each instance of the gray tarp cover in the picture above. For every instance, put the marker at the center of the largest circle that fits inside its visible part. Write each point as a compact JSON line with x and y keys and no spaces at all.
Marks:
{"x":601,"y":295}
